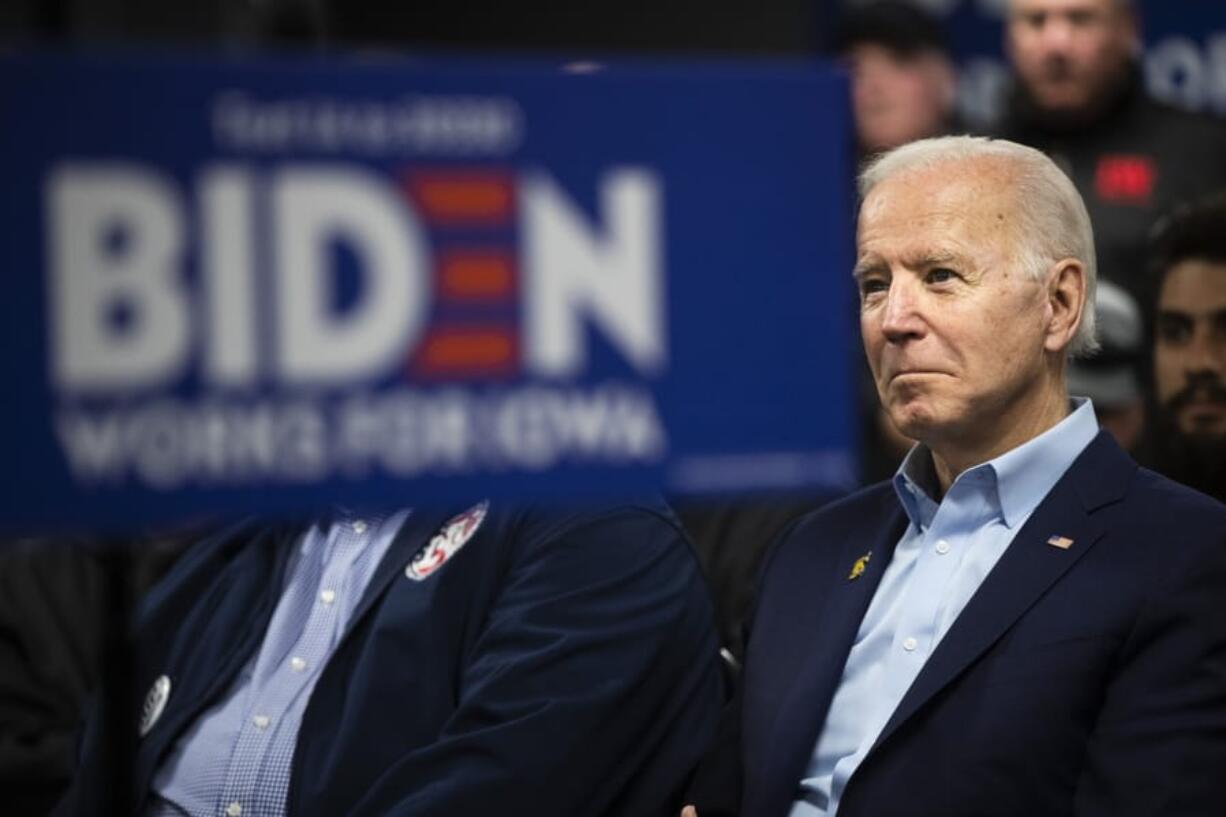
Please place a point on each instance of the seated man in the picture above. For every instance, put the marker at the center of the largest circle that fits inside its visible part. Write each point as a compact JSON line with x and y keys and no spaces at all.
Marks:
{"x":480,"y":660}
{"x":1023,"y":621}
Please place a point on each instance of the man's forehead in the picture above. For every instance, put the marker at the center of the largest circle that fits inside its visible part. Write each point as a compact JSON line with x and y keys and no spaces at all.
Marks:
{"x":868,"y":54}
{"x":1194,"y":286}
{"x":953,"y":176}
{"x":1059,"y":6}
{"x":938,"y":199}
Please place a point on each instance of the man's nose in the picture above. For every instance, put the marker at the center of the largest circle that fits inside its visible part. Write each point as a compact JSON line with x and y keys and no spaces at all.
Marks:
{"x":1056,"y":35}
{"x":1207,"y":352}
{"x":901,"y":317}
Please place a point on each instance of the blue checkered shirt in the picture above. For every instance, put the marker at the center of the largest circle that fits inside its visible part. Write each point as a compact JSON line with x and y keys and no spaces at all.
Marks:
{"x":235,"y":759}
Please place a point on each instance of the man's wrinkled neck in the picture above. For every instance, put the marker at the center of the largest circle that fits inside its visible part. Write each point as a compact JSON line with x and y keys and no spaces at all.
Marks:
{"x":1017,"y":426}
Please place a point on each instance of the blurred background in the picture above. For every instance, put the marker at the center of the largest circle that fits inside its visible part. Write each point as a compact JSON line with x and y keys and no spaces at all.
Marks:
{"x":1144,"y":143}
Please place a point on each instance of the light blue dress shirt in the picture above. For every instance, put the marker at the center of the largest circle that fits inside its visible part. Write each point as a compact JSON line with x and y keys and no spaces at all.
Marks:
{"x":946,"y":552}
{"x":235,"y":759}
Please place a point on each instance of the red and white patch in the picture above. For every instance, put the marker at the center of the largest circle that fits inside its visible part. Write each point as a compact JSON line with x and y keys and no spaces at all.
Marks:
{"x":455,"y":533}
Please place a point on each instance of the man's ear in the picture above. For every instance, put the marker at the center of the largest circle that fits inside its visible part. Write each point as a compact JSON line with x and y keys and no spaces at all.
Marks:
{"x":1066,"y":298}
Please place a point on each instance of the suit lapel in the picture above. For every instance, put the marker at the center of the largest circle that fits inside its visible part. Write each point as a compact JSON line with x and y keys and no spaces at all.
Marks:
{"x":829,"y":616}
{"x":417,"y":530}
{"x":1028,"y":567}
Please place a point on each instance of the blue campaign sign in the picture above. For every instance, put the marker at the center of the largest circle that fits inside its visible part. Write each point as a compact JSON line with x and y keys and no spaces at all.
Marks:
{"x":272,"y":284}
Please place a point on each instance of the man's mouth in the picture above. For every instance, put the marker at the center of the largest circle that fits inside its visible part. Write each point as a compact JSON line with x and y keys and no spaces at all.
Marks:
{"x":1201,"y":403}
{"x":1202,"y":394}
{"x":1203,"y":410}
{"x":913,"y":373}
{"x":1057,"y":68}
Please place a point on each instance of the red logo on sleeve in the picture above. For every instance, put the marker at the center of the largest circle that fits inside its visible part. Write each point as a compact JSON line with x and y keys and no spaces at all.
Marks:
{"x":1125,"y":178}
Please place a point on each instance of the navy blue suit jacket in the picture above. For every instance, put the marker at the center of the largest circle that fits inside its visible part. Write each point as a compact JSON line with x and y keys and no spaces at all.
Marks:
{"x":557,"y":664}
{"x":1086,"y":681}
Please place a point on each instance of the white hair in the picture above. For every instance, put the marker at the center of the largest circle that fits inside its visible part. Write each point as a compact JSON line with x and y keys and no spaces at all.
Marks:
{"x":1052,"y":222}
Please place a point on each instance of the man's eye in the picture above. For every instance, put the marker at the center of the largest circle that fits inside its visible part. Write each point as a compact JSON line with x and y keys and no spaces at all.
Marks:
{"x":940,"y":275}
{"x":1034,"y":20}
{"x":871,"y":286}
{"x":1081,"y":18}
{"x":1218,"y":326}
{"x":1172,"y":329}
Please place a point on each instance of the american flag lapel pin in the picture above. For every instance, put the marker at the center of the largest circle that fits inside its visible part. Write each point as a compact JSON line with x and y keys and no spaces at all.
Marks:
{"x":1062,"y":542}
{"x":857,"y":569}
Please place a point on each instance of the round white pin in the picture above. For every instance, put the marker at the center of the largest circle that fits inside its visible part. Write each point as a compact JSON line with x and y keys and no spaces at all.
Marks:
{"x":155,"y":702}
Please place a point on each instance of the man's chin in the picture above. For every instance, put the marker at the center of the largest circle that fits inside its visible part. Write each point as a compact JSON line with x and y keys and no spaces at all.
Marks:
{"x":914,"y":422}
{"x":1062,"y":102}
{"x":1197,"y":459}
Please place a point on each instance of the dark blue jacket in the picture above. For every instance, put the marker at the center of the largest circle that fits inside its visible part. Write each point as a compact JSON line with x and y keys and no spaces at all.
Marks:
{"x":556,"y":664}
{"x":1086,"y":681}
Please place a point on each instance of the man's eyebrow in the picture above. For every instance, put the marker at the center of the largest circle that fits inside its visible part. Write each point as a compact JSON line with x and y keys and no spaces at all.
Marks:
{"x":922,"y":260}
{"x":1168,"y":313}
{"x":869,"y":266}
{"x":931,"y":259}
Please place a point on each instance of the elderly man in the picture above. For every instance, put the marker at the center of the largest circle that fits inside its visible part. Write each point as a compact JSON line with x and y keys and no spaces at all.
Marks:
{"x":1078,"y":96}
{"x":1022,"y":622}
{"x":1189,"y":257}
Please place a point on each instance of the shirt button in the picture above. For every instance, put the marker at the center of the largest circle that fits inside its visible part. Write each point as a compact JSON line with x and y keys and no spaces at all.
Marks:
{"x":327,"y":596}
{"x":909,"y":644}
{"x":261,"y":721}
{"x":235,"y":809}
{"x":942,"y":547}
{"x":359,"y":526}
{"x":297,"y":664}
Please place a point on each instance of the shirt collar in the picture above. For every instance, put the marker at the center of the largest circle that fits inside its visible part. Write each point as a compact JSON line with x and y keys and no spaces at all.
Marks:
{"x":915,"y":483}
{"x":1019,"y":478}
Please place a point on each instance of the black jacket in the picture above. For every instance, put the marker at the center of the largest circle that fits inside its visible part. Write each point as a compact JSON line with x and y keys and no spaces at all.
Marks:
{"x":1132,"y":163}
{"x":549,"y":663}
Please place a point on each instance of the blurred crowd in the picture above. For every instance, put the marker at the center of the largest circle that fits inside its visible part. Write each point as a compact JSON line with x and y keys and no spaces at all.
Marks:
{"x":1154,"y":181}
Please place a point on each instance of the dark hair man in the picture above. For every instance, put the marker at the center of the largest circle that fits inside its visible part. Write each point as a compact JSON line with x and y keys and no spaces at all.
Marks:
{"x":1023,"y":621}
{"x":1189,"y":258}
{"x":1078,"y":97}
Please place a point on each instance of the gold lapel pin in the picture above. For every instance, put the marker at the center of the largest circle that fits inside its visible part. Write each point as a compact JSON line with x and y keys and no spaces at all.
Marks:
{"x":1062,"y":542}
{"x":858,"y":568}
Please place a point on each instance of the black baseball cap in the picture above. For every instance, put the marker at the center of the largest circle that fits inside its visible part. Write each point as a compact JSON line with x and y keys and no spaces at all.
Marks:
{"x":901,"y":27}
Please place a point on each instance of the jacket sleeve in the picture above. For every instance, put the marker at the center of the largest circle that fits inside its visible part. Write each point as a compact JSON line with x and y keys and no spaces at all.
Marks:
{"x":592,"y":689}
{"x":1159,"y":745}
{"x":716,"y":787}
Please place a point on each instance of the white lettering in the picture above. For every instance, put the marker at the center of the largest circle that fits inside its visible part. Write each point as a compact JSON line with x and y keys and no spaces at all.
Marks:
{"x":445,"y":126}
{"x":313,"y":208}
{"x":119,"y":317}
{"x":1175,"y":73}
{"x":227,"y":252}
{"x":613,"y":279}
